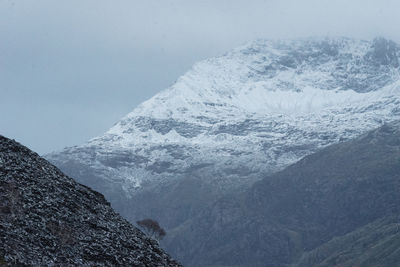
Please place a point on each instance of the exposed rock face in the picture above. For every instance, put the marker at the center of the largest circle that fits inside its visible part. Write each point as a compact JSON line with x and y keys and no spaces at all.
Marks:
{"x":340,"y":205}
{"x":48,"y":219}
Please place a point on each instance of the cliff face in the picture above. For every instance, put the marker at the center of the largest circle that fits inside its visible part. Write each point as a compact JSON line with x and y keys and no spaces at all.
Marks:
{"x":48,"y":219}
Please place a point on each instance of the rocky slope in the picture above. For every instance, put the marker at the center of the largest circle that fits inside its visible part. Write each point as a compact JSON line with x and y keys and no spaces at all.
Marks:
{"x":233,"y":119}
{"x":47,"y":219}
{"x":376,"y":244}
{"x":337,"y":207}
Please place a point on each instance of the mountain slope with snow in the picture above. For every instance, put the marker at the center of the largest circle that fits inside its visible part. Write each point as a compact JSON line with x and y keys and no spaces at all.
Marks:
{"x":254,"y":110}
{"x":339,"y":206}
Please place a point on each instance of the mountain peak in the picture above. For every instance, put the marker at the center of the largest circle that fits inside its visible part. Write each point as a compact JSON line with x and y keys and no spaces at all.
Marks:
{"x":283,"y":77}
{"x":255,"y":77}
{"x":255,"y":109}
{"x":289,"y":80}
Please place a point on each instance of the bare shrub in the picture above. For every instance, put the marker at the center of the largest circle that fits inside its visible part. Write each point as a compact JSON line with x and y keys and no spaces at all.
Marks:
{"x":151,"y":228}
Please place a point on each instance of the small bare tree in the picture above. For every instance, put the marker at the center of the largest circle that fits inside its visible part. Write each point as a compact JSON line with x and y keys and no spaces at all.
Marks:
{"x":151,"y":228}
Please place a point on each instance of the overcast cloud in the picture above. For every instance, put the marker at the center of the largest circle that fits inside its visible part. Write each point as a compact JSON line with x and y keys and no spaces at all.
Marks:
{"x":70,"y":69}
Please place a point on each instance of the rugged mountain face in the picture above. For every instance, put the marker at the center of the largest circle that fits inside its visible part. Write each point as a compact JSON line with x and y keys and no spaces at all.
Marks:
{"x":339,"y":206}
{"x":230,"y":119}
{"x":48,"y":219}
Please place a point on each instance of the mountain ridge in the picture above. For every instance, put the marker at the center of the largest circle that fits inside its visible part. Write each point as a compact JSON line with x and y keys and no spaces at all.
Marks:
{"x":307,"y":214}
{"x":201,"y":86}
{"x":236,"y":118}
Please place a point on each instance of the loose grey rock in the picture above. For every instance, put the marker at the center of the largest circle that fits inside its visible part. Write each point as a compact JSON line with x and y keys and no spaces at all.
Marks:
{"x":47,"y":219}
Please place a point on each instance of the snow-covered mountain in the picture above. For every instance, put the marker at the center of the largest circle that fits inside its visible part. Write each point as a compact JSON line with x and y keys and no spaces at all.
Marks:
{"x":255,"y":109}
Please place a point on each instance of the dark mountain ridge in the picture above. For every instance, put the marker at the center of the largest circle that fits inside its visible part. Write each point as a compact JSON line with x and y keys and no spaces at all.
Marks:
{"x":316,"y":205}
{"x":48,"y":219}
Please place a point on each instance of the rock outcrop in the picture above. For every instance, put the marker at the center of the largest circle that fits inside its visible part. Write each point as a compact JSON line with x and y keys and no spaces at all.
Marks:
{"x":48,"y":219}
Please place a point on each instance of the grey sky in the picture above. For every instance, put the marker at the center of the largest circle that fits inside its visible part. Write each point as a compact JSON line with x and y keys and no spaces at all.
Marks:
{"x":70,"y":69}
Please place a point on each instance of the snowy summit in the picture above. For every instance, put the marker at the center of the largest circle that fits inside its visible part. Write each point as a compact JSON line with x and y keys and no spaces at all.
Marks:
{"x":257,"y":108}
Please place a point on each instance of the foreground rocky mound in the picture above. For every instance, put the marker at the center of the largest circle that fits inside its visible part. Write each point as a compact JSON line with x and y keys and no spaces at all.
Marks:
{"x":47,"y":219}
{"x":337,"y":207}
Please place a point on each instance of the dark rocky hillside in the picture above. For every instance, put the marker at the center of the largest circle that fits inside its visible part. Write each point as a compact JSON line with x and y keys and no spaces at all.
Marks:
{"x":339,"y":206}
{"x":376,"y":244}
{"x":48,"y":219}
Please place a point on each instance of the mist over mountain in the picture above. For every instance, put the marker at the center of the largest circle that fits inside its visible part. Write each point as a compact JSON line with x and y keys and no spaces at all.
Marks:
{"x":232,"y":120}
